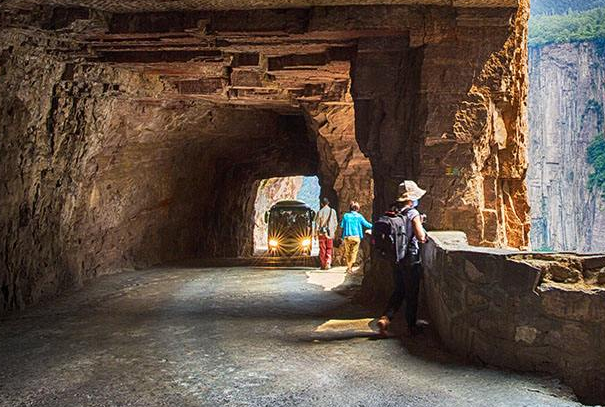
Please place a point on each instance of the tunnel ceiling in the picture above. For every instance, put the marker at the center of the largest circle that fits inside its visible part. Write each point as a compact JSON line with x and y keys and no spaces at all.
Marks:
{"x":164,"y":5}
{"x":276,"y":59}
{"x":267,"y":59}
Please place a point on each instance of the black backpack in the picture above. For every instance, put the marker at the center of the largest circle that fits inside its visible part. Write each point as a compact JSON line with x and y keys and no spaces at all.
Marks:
{"x":389,"y":236}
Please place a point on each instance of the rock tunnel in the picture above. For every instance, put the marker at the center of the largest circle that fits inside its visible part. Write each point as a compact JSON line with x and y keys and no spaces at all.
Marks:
{"x":133,"y":133}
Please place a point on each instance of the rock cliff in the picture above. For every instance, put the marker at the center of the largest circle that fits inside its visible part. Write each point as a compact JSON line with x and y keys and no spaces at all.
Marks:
{"x":566,"y":114}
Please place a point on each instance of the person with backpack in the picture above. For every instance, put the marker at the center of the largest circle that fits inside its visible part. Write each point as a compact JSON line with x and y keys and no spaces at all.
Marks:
{"x":397,"y":236}
{"x":353,"y":225}
{"x":326,"y":222}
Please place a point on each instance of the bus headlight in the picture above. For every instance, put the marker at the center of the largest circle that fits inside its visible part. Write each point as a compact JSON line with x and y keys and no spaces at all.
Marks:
{"x":273,"y":243}
{"x":306,"y":243}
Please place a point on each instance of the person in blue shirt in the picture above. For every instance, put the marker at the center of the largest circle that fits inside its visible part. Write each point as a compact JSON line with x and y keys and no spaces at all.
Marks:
{"x":353,"y":225}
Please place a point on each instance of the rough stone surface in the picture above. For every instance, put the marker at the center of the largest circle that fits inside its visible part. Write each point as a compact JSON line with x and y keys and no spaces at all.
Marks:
{"x":456,"y":124}
{"x":190,"y":337}
{"x":529,"y":312}
{"x":566,"y":104}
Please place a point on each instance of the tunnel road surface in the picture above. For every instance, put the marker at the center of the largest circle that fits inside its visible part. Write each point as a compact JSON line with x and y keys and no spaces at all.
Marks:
{"x":187,"y":336}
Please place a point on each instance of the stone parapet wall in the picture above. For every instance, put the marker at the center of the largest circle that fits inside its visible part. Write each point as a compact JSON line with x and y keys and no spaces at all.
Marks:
{"x":523,"y":311}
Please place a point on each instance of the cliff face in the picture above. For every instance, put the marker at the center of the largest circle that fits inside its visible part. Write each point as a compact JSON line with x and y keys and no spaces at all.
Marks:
{"x":566,"y":113}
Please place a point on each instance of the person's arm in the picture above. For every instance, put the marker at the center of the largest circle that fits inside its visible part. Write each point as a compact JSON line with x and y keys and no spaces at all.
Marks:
{"x":321,"y":221}
{"x":342,"y":222}
{"x":365,"y":223}
{"x":333,"y":222}
{"x":418,"y":229}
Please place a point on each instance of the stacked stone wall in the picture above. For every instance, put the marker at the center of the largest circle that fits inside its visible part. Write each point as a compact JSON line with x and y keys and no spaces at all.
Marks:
{"x":524,"y":311}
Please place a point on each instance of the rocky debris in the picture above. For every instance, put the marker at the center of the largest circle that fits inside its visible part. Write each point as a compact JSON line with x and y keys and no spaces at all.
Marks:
{"x":566,"y":114}
{"x":561,"y":274}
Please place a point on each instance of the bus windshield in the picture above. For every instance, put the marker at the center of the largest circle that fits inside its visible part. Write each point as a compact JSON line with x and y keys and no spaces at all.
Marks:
{"x":283,"y":219}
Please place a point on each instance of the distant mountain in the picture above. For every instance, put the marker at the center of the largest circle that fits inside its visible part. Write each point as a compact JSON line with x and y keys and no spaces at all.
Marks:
{"x":549,"y":7}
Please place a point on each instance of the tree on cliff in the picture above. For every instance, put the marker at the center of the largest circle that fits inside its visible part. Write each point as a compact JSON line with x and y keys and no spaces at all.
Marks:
{"x":540,"y":7}
{"x":596,"y":158}
{"x":572,"y":27}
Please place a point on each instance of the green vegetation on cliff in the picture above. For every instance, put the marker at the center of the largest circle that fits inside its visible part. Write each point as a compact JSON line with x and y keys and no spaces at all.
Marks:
{"x":540,"y":7}
{"x":596,"y":158}
{"x":572,"y":27}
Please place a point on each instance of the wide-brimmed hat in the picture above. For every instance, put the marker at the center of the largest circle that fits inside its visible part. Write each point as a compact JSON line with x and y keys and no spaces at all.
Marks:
{"x":410,"y":191}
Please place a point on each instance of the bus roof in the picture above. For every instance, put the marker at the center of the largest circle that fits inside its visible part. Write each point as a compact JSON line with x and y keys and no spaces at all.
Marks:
{"x":290,"y":205}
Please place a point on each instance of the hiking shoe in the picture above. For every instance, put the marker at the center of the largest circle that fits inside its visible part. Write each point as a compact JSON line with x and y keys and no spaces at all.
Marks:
{"x":417,"y":329}
{"x":383,"y":325}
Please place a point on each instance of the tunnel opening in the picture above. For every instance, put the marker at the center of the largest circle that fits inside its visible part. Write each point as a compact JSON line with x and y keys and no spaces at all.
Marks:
{"x":271,"y":191}
{"x":150,"y":144}
{"x":287,"y":152}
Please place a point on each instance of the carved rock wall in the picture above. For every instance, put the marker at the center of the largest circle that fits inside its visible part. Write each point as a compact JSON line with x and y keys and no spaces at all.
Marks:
{"x":566,"y":114}
{"x":32,"y":182}
{"x":101,"y":177}
{"x":152,"y":5}
{"x":457,"y":125}
{"x":345,"y":173}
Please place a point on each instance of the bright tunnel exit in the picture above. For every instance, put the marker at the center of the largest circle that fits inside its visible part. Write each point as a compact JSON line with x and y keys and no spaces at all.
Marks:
{"x":272,"y":192}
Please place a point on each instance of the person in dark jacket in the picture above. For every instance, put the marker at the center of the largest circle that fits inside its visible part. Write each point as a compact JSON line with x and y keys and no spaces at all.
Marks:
{"x":408,"y":272}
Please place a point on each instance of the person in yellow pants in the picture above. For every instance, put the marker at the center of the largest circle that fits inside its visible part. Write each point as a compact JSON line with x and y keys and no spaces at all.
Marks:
{"x":353,"y":225}
{"x":351,"y":244}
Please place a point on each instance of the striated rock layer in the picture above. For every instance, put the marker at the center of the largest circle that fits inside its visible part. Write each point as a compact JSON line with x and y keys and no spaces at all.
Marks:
{"x":566,"y":114}
{"x":134,"y":139}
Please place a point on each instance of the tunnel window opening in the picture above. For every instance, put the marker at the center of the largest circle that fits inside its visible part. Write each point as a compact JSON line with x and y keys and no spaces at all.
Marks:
{"x":284,"y":211}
